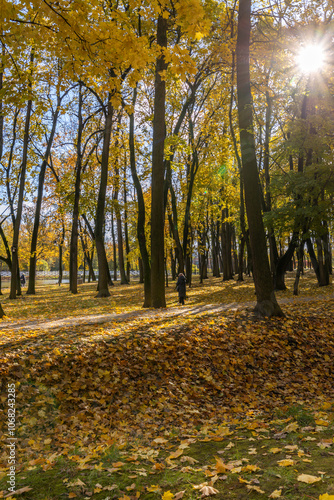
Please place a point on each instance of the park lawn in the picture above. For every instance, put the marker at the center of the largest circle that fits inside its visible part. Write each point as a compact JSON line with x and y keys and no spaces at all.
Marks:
{"x":224,"y":404}
{"x":52,"y":302}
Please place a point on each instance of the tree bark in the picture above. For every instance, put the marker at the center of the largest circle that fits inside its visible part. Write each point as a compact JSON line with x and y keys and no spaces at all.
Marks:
{"x":126,"y":230}
{"x":15,"y":283}
{"x":114,"y":244}
{"x":104,"y":275}
{"x":300,"y":254}
{"x":75,"y":213}
{"x":141,"y":235}
{"x":265,"y":295}
{"x":33,"y":246}
{"x":158,"y":174}
{"x":226,"y":247}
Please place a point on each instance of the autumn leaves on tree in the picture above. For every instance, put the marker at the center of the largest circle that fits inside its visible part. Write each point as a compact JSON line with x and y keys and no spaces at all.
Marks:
{"x":172,"y":120}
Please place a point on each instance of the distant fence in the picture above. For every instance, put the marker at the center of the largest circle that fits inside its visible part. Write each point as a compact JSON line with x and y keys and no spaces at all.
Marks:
{"x":39,"y":274}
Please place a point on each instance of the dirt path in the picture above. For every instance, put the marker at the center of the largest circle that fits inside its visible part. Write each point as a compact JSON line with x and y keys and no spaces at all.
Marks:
{"x":171,"y":312}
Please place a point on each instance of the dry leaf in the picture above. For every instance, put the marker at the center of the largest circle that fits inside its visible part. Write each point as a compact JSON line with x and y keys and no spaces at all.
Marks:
{"x":176,"y":454}
{"x":179,"y":495}
{"x":275,"y":450}
{"x":286,"y":462}
{"x":208,"y":490}
{"x":275,"y":494}
{"x":154,"y":488}
{"x":291,"y":427}
{"x":77,"y":482}
{"x":19,"y":492}
{"x":255,"y":488}
{"x":191,"y":460}
{"x":306,"y":478}
{"x":160,"y":440}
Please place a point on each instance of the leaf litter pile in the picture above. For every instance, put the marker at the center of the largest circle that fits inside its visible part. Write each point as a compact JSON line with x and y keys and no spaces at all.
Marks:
{"x":224,"y":405}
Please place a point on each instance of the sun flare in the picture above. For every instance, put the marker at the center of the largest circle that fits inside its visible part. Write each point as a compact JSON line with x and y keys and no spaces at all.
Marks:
{"x":311,"y":58}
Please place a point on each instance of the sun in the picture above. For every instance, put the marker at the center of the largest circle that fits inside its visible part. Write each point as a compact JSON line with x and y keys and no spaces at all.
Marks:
{"x":311,"y":58}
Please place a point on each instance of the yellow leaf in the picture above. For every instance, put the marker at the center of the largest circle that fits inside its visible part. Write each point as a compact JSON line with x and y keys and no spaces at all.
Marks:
{"x":251,"y":468}
{"x":118,"y":464}
{"x":291,"y":427}
{"x":255,"y":488}
{"x":286,"y":462}
{"x":71,"y":495}
{"x":275,"y":494}
{"x":275,"y":450}
{"x":176,"y":454}
{"x":158,"y":466}
{"x":325,"y":496}
{"x":221,"y":467}
{"x":306,"y":478}
{"x":47,"y":441}
{"x":322,"y":422}
{"x":77,"y":482}
{"x":154,"y":488}
{"x":168,"y":495}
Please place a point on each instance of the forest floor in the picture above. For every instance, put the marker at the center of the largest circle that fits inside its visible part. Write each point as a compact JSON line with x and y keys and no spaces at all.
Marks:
{"x":117,"y":402}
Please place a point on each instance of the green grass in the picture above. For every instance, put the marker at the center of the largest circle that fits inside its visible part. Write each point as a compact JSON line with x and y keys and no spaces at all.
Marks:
{"x":134,"y":471}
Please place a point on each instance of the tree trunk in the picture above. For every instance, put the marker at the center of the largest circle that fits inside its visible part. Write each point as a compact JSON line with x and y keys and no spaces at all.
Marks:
{"x":300,"y":253}
{"x":141,"y":235}
{"x":104,"y":275}
{"x":323,"y":269}
{"x":284,"y":261}
{"x":215,"y":248}
{"x":126,"y":231}
{"x":15,"y":283}
{"x":87,"y":257}
{"x":75,"y":213}
{"x":141,"y":270}
{"x":34,"y":237}
{"x":60,"y":250}
{"x":265,"y":295}
{"x":226,"y":247}
{"x":121,"y":262}
{"x":114,"y":244}
{"x":158,"y":173}
{"x":178,"y":247}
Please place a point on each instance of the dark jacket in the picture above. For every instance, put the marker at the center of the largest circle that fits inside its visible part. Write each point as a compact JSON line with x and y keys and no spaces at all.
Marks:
{"x":181,"y":285}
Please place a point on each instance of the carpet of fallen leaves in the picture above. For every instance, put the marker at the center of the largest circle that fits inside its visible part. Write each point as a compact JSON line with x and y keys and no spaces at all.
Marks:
{"x":145,"y":382}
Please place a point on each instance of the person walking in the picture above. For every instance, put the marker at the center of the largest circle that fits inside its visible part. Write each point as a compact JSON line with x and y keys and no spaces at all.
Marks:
{"x":181,"y":287}
{"x":23,"y":279}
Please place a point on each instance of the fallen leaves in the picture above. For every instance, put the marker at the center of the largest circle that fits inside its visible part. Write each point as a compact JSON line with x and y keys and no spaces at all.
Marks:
{"x":308,"y":479}
{"x":287,"y":462}
{"x":87,"y":388}
{"x":275,"y":494}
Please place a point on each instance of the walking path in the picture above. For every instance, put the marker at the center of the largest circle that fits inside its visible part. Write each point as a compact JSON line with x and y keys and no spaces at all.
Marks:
{"x":186,"y":311}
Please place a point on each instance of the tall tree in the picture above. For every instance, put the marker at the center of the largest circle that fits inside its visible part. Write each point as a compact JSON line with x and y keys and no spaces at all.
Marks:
{"x":34,"y":237}
{"x":103,"y":290}
{"x":15,"y":282}
{"x":265,"y":295}
{"x":158,"y":172}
